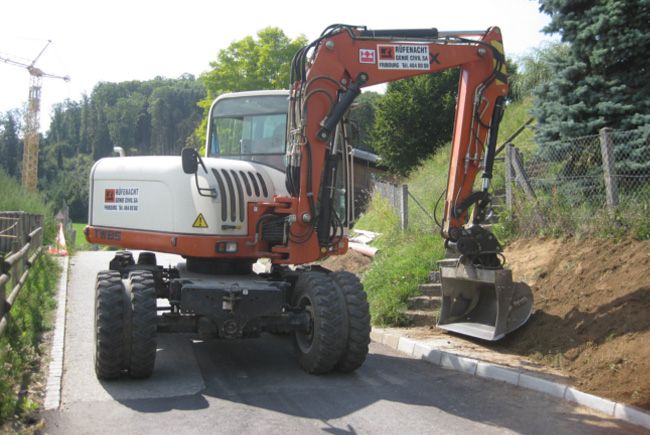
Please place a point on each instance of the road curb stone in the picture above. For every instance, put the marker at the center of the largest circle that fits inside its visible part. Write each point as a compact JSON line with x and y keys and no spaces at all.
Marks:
{"x":589,"y":400}
{"x":498,"y":373}
{"x":55,"y":369}
{"x":520,"y":378}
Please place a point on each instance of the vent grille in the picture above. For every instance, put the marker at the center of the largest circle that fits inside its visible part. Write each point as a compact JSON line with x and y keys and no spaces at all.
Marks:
{"x":235,"y":187}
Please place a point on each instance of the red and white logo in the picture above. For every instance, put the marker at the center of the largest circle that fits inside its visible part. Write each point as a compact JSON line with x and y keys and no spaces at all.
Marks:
{"x":367,"y":55}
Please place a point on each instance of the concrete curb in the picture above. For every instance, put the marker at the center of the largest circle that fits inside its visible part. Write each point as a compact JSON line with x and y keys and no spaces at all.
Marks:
{"x":53,"y":388}
{"x":517,"y":377}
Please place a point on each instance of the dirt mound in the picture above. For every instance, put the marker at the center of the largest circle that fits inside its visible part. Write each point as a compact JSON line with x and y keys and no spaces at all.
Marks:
{"x":591,"y":321}
{"x":352,"y":261}
{"x":592,"y":313}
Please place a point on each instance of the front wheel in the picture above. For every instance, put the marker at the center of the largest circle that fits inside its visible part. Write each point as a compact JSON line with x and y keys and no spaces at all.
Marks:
{"x":143,"y":324}
{"x":322,"y":346}
{"x":358,"y":320}
{"x":110,"y":322}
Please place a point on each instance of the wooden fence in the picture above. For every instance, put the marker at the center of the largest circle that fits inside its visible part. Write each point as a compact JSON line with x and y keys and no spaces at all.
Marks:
{"x":21,"y":242}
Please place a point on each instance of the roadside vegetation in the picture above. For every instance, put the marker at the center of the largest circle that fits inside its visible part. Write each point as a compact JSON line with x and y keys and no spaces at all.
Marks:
{"x":20,"y":351}
{"x":405,"y":257}
{"x":80,"y":242}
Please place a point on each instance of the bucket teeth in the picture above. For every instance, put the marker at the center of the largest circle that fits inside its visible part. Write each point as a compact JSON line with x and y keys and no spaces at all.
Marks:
{"x":482,"y":303}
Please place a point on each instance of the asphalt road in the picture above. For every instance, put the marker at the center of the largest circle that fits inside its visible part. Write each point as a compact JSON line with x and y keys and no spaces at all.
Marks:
{"x":256,"y":386}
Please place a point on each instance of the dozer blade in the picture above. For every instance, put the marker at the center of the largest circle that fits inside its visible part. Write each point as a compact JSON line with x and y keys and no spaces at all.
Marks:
{"x":482,"y":303}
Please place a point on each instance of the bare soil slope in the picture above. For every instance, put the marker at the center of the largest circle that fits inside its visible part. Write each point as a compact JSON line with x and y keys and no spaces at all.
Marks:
{"x":592,"y":313}
{"x":591,"y":320}
{"x":352,"y":261}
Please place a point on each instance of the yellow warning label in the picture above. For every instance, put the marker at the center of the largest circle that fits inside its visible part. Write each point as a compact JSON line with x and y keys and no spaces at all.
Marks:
{"x":200,"y":222}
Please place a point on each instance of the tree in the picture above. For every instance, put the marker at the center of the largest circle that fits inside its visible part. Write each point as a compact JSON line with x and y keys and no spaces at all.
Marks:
{"x":604,"y":78}
{"x":250,"y":64}
{"x":10,"y":144}
{"x":175,"y":114}
{"x":535,"y":68}
{"x":362,"y":118}
{"x":414,"y":118}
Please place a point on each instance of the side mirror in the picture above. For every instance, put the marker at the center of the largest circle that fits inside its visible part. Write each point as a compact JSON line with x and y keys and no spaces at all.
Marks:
{"x":190,"y":159}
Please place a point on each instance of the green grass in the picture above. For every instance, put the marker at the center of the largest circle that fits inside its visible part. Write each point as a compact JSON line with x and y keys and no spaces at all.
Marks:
{"x":14,"y":198}
{"x":403,"y":263}
{"x":80,"y":242}
{"x":405,"y":257}
{"x":19,"y":351}
{"x":19,"y":346}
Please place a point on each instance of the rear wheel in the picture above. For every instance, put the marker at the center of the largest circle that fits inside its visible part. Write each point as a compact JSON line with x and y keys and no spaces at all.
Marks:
{"x":358,"y":320}
{"x":143,"y":324}
{"x":322,"y":346}
{"x":109,"y":324}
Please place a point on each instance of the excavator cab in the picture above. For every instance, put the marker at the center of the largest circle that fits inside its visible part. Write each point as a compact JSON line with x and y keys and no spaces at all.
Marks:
{"x":249,"y":126}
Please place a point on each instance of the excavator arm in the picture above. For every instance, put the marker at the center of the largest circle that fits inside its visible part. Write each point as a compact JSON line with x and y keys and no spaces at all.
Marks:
{"x":329,"y":73}
{"x":479,"y":297}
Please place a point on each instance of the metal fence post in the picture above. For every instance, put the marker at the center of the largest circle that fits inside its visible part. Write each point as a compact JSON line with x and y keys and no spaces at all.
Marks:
{"x":509,"y":177}
{"x":609,"y":170}
{"x":404,"y":207}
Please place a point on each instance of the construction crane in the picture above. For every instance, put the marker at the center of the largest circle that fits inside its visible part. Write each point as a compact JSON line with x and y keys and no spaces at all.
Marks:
{"x":32,"y":125}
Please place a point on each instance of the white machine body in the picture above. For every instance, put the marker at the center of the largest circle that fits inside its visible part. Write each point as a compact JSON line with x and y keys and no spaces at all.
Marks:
{"x":153,"y":193}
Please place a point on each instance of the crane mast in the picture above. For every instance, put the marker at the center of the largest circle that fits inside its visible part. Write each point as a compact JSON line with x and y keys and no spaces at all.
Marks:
{"x":32,"y":119}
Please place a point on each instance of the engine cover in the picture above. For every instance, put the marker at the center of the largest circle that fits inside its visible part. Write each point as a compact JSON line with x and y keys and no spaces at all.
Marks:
{"x":153,"y":193}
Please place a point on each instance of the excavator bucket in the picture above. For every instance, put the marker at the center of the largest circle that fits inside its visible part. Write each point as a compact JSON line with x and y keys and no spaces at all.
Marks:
{"x":482,"y":303}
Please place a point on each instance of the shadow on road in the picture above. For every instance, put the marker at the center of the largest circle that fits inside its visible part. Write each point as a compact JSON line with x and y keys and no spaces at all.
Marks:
{"x":264,"y":374}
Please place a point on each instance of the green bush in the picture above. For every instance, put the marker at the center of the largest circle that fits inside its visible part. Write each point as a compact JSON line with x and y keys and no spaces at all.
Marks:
{"x":558,"y":214}
{"x":19,"y":346}
{"x":14,"y":198}
{"x":19,"y":353}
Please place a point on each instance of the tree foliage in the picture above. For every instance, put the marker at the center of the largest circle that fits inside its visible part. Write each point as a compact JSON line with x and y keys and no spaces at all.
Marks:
{"x":253,"y":63}
{"x":362,"y":119}
{"x":145,"y":117}
{"x":603,"y":79}
{"x":250,"y":64}
{"x":414,"y":118}
{"x":10,"y":143}
{"x":534,"y":69}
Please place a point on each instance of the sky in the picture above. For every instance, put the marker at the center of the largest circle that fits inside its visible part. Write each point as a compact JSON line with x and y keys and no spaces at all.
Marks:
{"x":121,"y":40}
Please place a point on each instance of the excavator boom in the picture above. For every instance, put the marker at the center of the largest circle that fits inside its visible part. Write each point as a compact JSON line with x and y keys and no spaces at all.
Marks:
{"x":478,"y":294}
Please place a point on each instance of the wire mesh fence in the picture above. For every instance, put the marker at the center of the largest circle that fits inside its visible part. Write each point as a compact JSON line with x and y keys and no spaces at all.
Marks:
{"x":561,"y":185}
{"x":599,"y":182}
{"x":413,"y":212}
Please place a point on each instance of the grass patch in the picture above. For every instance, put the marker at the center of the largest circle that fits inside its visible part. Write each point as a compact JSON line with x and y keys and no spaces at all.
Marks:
{"x":80,"y":242}
{"x":400,"y":267}
{"x":406,"y":257}
{"x":19,"y":346}
{"x":559,"y":215}
{"x":14,"y":198}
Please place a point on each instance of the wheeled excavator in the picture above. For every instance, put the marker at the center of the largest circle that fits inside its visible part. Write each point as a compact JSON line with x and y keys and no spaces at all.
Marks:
{"x":275,"y":184}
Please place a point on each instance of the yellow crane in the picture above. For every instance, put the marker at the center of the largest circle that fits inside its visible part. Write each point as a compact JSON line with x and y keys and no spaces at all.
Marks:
{"x":30,"y":151}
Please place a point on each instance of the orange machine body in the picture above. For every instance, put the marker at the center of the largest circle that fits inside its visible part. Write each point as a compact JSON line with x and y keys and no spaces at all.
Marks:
{"x":342,"y":59}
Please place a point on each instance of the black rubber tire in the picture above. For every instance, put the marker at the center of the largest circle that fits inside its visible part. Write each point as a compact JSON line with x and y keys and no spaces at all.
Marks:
{"x":320,"y":349}
{"x":121,"y":260}
{"x":109,"y":324}
{"x":142,"y":357}
{"x":147,"y":258}
{"x":358,"y":321}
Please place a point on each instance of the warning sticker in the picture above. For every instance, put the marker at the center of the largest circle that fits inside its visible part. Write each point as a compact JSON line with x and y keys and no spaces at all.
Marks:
{"x":414,"y":57}
{"x":200,"y":222}
{"x":367,"y":56}
{"x":122,"y":199}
